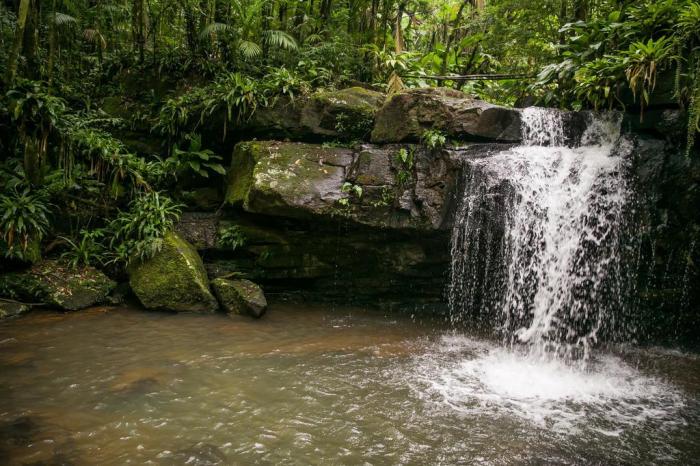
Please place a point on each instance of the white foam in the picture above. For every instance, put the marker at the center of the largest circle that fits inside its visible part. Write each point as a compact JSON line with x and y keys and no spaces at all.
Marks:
{"x":476,"y":377}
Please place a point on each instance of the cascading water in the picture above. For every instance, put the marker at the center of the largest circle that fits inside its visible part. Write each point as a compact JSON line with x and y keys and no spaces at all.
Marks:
{"x":541,"y":248}
{"x":537,"y":238}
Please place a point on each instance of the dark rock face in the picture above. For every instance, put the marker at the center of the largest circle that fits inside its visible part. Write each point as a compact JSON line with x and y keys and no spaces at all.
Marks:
{"x":668,"y":225}
{"x":406,"y":116}
{"x":59,"y":285}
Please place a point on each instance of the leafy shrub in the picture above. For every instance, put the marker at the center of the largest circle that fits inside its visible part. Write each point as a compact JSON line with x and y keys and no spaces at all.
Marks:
{"x":87,"y":249}
{"x":232,"y":237}
{"x":194,"y":159}
{"x":434,"y":139}
{"x":25,"y":218}
{"x":138,"y":232}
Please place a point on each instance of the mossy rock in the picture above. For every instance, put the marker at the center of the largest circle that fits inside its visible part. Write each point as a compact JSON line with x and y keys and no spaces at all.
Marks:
{"x":174,"y":279}
{"x":240,"y":297}
{"x":57,"y":284}
{"x":345,"y":114}
{"x":9,"y":309}
{"x":287,"y":179}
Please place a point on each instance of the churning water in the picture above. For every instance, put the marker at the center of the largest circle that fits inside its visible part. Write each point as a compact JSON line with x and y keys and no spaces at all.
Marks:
{"x":320,"y":386}
{"x":538,"y":254}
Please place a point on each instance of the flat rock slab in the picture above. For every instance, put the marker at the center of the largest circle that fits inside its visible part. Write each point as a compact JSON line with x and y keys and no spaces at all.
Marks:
{"x":57,"y":284}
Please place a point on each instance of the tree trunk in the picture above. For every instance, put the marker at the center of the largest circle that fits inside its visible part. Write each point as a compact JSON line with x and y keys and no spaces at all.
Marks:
{"x":17,"y":45}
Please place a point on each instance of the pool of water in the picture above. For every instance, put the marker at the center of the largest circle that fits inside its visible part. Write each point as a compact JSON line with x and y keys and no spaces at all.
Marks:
{"x":313,"y":385}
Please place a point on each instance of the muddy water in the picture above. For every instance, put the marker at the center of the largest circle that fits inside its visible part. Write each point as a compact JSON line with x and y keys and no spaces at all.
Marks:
{"x":310,"y":385}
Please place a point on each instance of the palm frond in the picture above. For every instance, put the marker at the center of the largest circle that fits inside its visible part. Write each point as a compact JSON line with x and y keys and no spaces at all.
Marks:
{"x":249,"y":49}
{"x":62,"y":19}
{"x":279,"y":39}
{"x":214,"y":28}
{"x":95,"y":37}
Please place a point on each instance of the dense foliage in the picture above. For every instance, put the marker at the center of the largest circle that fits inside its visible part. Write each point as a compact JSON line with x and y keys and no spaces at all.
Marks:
{"x":174,"y":65}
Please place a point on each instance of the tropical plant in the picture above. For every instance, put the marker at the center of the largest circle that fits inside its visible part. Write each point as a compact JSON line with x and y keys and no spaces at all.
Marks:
{"x":232,"y":237}
{"x":194,"y":159}
{"x":87,"y":249}
{"x":137,"y":234}
{"x":434,"y":139}
{"x":24,"y":220}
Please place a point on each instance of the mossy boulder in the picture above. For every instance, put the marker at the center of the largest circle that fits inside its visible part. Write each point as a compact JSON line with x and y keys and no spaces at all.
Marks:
{"x":240,"y":297}
{"x":288,"y":179}
{"x":10,"y":309}
{"x":57,"y":284}
{"x":407,"y":115}
{"x":345,"y":114}
{"x":174,"y":279}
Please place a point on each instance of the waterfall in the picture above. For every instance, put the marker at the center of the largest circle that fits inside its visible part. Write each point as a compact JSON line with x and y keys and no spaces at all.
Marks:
{"x":536,"y":244}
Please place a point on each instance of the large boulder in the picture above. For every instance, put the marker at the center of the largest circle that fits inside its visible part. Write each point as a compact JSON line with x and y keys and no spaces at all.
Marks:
{"x":346,"y":114}
{"x":57,"y":284}
{"x":288,"y":179}
{"x":398,"y":187}
{"x":174,"y":279}
{"x":407,"y":115}
{"x":240,"y":296}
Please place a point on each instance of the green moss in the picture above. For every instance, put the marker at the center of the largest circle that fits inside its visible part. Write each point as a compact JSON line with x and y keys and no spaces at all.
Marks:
{"x":240,"y":297}
{"x":57,"y":284}
{"x":173,"y":279}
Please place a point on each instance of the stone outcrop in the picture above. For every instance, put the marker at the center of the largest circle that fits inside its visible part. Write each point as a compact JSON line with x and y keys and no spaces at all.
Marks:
{"x":346,"y":114}
{"x":241,"y":297}
{"x":407,"y":115}
{"x":395,"y":186}
{"x":59,"y":285}
{"x":174,"y":279}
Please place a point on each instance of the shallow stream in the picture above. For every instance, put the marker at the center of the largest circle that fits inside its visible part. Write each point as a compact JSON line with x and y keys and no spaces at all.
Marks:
{"x":313,"y":385}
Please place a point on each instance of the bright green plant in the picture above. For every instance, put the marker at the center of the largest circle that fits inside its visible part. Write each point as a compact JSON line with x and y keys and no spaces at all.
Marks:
{"x":87,"y":249}
{"x":643,"y":61}
{"x":434,"y":139}
{"x":136,"y":234}
{"x":194,"y":159}
{"x":25,"y":219}
{"x":404,"y":158}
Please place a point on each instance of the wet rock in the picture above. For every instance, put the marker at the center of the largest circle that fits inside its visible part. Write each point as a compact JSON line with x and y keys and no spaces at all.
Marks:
{"x":240,"y":297}
{"x":407,"y":115}
{"x":138,"y":381}
{"x":11,"y":309}
{"x":57,"y":284}
{"x":289,"y":179}
{"x":346,"y":114}
{"x":174,"y":279}
{"x":306,"y":181}
{"x":198,"y":228}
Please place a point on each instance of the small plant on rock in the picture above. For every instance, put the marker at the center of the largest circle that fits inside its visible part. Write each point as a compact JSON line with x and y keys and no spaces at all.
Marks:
{"x":232,"y":237}
{"x":434,"y":139}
